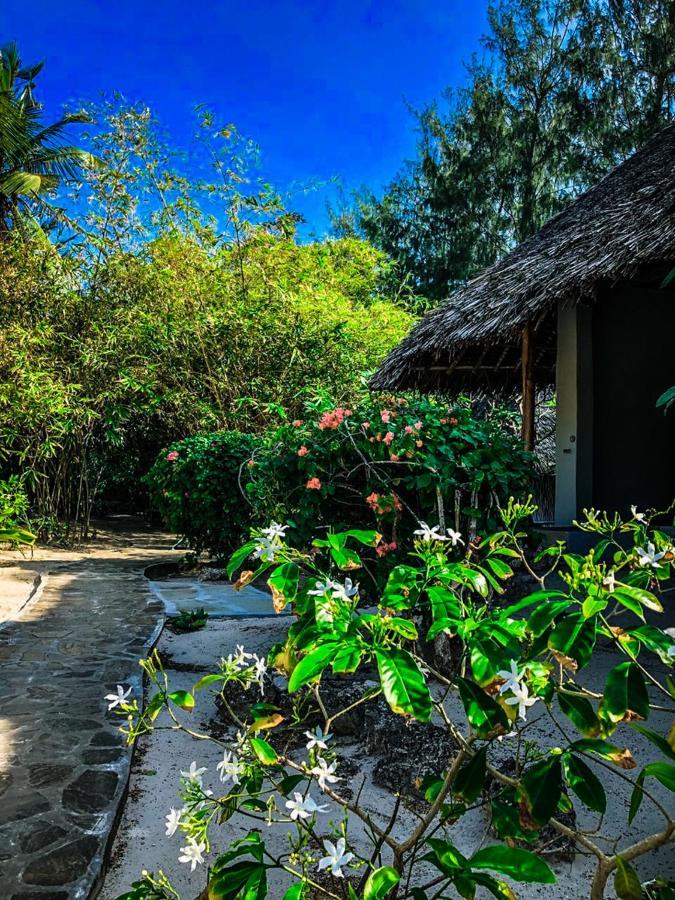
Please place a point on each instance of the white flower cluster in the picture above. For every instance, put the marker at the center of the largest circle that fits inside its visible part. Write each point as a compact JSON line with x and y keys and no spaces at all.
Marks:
{"x":270,"y":541}
{"x":428,"y":535}
{"x":248,"y":664}
{"x":336,"y":590}
{"x":118,"y":699}
{"x":521,"y":695}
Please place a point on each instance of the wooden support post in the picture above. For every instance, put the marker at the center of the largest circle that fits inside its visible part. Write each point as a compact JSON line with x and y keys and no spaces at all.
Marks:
{"x":527,"y":369}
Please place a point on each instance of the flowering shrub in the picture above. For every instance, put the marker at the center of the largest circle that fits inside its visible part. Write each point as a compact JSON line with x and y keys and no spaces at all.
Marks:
{"x":516,"y":661}
{"x":195,"y":487}
{"x":386,"y":459}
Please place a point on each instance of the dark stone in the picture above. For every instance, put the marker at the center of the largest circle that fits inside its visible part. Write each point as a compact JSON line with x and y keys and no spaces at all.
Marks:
{"x":91,"y":792}
{"x":41,"y":836}
{"x":14,"y":813}
{"x":62,"y":865}
{"x":106,"y":739}
{"x":45,"y":774}
{"x":102,"y":755}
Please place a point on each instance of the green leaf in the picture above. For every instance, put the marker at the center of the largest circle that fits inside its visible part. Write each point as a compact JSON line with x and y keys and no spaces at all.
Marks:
{"x":655,"y":640}
{"x":626,"y":881}
{"x":264,"y":751}
{"x":580,"y":711}
{"x":530,"y":600}
{"x":404,"y":627}
{"x":446,"y":857}
{"x":283,"y":583}
{"x":471,"y":777}
{"x":663,"y":772}
{"x":620,"y":757}
{"x":636,"y":797}
{"x":585,"y":783}
{"x":646,"y":598}
{"x":574,"y":637}
{"x":239,"y":557}
{"x":656,"y":739}
{"x":184,"y":699}
{"x":625,"y":691}
{"x":483,"y":713}
{"x":296,"y":891}
{"x":380,"y":883}
{"x":346,"y":560}
{"x":542,"y":787}
{"x":206,"y":680}
{"x":312,"y":665}
{"x":544,"y":615}
{"x":403,"y":684}
{"x":501,"y":569}
{"x":520,"y":865}
{"x":368,"y":538}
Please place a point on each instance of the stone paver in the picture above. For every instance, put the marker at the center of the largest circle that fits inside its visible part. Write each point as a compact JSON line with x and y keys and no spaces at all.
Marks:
{"x":63,"y":765}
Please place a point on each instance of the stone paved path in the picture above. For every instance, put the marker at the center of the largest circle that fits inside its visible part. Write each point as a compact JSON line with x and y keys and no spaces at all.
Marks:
{"x":63,"y":766}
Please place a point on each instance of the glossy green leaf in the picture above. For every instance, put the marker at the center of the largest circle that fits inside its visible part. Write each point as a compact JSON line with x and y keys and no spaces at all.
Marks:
{"x":542,"y":787}
{"x":656,"y":739}
{"x":484,"y":714}
{"x":574,"y":637}
{"x":403,"y":684}
{"x":380,"y":883}
{"x":471,"y":777}
{"x":580,"y":711}
{"x":312,"y":665}
{"x":636,"y":797}
{"x":626,"y":881}
{"x":624,"y":692}
{"x":585,"y":783}
{"x":264,"y":751}
{"x":663,"y":772}
{"x":519,"y":865}
{"x":184,"y":699}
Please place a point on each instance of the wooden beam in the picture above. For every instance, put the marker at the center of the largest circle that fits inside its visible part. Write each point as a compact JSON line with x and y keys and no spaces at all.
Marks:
{"x":527,"y":371}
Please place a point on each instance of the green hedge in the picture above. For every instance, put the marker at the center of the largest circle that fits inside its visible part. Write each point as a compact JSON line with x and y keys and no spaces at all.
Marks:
{"x":194,"y":485}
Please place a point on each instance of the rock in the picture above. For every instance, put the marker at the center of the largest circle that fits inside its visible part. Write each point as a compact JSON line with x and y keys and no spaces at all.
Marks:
{"x":91,"y":792}
{"x":42,"y":835}
{"x":62,"y":865}
{"x":44,"y":774}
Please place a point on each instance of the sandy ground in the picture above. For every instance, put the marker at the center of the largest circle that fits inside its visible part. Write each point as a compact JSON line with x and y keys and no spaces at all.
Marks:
{"x":141,"y":842}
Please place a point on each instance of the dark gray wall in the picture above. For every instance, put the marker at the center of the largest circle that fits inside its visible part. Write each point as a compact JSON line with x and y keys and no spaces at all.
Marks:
{"x":633,"y":363}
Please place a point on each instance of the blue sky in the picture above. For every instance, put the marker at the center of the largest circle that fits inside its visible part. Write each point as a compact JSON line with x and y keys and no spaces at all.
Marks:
{"x":323,"y":87}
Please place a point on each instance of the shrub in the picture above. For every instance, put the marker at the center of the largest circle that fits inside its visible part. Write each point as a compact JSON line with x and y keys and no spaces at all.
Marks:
{"x":194,"y":485}
{"x":514,"y":662}
{"x":386,"y":460}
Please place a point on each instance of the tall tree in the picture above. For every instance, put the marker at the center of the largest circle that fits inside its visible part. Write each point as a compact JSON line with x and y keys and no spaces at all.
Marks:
{"x":34,"y":156}
{"x":563,"y":91}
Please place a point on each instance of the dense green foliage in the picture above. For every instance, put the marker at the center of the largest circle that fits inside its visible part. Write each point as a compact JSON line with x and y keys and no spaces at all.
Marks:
{"x":195,"y":486}
{"x":514,"y":663}
{"x":562,"y":92}
{"x":388,"y":460}
{"x":155,"y":324}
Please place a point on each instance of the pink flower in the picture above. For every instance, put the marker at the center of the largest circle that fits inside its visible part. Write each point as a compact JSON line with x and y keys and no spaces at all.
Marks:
{"x":303,"y":451}
{"x":408,"y":429}
{"x":385,"y":415}
{"x":297,"y":423}
{"x":444,"y":421}
{"x":366,"y":425}
{"x":388,"y":438}
{"x":393,"y":457}
{"x":173,"y":456}
{"x":454,"y":421}
{"x":418,"y":426}
{"x":418,"y":443}
{"x":314,"y":484}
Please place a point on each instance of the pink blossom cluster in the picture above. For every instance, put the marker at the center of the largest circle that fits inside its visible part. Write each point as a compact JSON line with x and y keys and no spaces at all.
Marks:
{"x":334,"y":419}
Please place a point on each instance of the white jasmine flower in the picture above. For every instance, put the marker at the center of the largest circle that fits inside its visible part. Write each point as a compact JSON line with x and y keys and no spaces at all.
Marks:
{"x":265,"y":549}
{"x":192,"y":853}
{"x":640,"y":517}
{"x":336,"y":857}
{"x":512,"y":678}
{"x":317,"y":739}
{"x":649,"y":557}
{"x":119,"y":698}
{"x":259,"y":672}
{"x":230,"y":768}
{"x":240,"y":657}
{"x":521,"y":698}
{"x":455,"y":537}
{"x":194,"y":774}
{"x":275,"y":532}
{"x":303,"y":807}
{"x":609,"y":582}
{"x":323,"y":587}
{"x":324,"y":773}
{"x":511,"y":734}
{"x":345,"y":591}
{"x":671,"y":634}
{"x":173,"y":821}
{"x":429,"y":535}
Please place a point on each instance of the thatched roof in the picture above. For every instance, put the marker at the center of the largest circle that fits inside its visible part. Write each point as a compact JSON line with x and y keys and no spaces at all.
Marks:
{"x":617,"y":230}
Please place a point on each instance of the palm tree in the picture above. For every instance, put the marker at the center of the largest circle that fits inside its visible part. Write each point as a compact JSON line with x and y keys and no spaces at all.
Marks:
{"x":34,"y":157}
